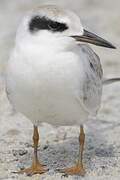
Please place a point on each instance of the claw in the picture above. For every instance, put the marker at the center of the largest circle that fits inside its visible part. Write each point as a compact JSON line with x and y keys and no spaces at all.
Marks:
{"x":75,"y":170}
{"x":37,"y":169}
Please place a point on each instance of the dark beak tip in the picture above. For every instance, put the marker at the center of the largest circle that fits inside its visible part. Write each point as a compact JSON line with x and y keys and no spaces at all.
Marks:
{"x":113,"y":47}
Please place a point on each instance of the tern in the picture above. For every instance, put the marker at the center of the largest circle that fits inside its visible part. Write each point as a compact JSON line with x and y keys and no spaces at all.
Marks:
{"x":54,"y":76}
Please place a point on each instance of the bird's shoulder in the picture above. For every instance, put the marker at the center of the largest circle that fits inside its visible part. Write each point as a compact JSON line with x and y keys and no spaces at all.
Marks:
{"x":93,"y":59}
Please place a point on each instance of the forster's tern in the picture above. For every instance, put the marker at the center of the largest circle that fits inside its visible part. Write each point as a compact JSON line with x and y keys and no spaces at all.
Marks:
{"x":53,"y":77}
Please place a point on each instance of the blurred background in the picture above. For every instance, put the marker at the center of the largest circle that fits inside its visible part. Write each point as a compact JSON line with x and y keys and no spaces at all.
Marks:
{"x":103,"y":18}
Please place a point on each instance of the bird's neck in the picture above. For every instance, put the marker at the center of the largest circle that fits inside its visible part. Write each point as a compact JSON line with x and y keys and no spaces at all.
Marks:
{"x":46,"y":43}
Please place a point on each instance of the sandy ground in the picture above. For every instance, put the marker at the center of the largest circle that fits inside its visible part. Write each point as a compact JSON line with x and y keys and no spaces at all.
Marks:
{"x":59,"y":146}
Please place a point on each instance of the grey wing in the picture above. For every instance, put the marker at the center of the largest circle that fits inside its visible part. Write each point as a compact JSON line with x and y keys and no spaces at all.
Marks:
{"x":92,"y":86}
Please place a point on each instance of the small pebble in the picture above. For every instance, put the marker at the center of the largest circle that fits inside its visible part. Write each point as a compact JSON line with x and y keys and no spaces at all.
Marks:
{"x":45,"y":147}
{"x":19,"y":152}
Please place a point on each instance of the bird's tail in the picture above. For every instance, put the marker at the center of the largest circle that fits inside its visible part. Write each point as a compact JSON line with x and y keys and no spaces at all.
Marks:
{"x":110,"y":81}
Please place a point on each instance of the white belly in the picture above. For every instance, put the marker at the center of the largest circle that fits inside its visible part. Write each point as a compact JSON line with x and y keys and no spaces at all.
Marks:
{"x":48,"y":91}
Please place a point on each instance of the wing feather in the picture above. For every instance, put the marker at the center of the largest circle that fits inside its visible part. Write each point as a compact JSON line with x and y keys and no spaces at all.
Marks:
{"x":92,"y":87}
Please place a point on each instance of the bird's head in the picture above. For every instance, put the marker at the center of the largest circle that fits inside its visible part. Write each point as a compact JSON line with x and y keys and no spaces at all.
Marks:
{"x":51,"y":21}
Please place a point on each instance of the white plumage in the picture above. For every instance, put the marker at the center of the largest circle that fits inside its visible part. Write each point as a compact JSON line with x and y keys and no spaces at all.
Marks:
{"x":50,"y":77}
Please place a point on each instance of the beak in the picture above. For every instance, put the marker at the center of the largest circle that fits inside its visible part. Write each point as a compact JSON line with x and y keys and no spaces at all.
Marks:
{"x":89,"y":37}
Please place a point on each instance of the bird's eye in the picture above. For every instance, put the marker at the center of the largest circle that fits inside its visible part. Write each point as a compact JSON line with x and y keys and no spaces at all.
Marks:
{"x":54,"y":26}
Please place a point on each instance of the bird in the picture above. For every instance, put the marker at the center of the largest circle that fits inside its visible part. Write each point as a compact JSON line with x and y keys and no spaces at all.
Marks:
{"x":54,"y":76}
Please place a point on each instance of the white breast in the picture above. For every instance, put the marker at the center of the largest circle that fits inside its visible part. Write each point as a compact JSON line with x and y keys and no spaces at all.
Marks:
{"x":47,"y":87}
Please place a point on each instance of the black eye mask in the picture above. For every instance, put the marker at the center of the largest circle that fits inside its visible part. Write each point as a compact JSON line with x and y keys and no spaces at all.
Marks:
{"x":42,"y":23}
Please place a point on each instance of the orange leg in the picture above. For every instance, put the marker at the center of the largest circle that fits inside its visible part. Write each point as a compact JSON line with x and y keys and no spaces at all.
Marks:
{"x":78,"y":169}
{"x":37,"y":167}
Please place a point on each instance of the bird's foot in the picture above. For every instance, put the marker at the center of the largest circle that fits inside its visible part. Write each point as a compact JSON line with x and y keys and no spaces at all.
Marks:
{"x":34,"y":169}
{"x":75,"y":170}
